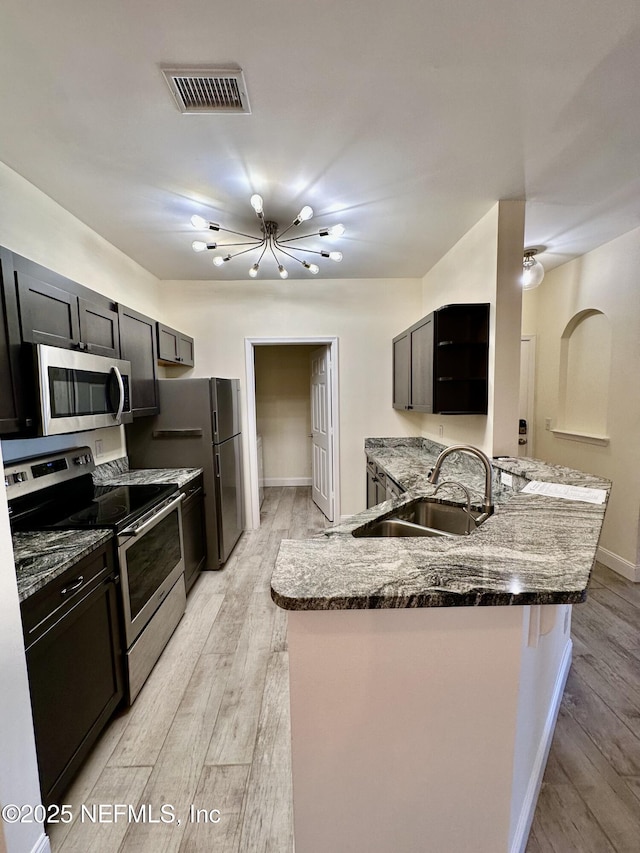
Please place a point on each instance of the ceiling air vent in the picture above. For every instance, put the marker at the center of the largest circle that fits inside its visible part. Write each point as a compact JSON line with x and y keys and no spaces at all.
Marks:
{"x":208,"y":90}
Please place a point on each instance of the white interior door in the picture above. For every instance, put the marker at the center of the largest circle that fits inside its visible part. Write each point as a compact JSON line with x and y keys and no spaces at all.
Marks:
{"x":527,"y":386}
{"x":321,"y":431}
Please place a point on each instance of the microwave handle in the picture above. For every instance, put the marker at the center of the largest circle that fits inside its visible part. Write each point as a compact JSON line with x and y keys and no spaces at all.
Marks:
{"x":118,"y":415}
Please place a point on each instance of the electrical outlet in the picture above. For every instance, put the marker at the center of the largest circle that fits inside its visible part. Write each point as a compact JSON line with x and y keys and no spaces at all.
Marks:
{"x":440,"y":431}
{"x":99,"y":447}
{"x":547,"y":423}
{"x":506,"y":479}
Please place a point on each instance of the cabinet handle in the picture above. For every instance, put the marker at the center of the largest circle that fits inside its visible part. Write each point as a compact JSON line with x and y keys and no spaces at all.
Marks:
{"x":73,"y":587}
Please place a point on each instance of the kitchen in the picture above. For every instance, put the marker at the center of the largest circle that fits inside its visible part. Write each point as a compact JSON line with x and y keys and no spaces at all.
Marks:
{"x":221,"y":314}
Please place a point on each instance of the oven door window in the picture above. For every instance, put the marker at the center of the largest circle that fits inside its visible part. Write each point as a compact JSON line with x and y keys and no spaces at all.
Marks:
{"x":82,"y":392}
{"x":151,"y":559}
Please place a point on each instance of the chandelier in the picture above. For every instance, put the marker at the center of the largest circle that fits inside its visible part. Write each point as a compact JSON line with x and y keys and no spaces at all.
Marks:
{"x":271,"y":240}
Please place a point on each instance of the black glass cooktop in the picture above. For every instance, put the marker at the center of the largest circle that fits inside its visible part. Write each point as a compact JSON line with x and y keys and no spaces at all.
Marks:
{"x":116,"y":506}
{"x":80,"y":504}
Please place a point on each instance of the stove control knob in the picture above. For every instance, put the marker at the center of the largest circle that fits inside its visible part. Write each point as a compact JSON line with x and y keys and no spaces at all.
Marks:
{"x":82,"y":460}
{"x":20,"y":477}
{"x":7,"y":481}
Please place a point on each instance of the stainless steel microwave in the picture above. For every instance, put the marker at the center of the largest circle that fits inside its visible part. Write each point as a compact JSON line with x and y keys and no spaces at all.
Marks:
{"x":79,"y":391}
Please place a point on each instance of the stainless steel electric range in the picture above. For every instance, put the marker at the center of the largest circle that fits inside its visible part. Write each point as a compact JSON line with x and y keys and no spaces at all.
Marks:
{"x":57,"y":492}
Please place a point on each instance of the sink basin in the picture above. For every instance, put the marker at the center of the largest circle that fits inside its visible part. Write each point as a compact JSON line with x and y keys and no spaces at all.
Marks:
{"x":425,"y":517}
{"x":443,"y":517}
{"x":396,"y":527}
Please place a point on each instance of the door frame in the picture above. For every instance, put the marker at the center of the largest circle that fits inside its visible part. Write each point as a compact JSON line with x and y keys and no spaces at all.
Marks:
{"x":253,"y":519}
{"x":532,"y":339}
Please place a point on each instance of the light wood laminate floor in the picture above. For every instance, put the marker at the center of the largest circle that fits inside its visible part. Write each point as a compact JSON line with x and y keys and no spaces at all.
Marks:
{"x":211,"y":725}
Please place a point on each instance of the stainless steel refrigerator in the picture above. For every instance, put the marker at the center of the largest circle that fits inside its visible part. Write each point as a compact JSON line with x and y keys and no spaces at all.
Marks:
{"x":199,"y":427}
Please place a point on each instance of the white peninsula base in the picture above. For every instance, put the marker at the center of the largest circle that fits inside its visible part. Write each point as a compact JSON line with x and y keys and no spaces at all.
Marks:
{"x":423,"y":729}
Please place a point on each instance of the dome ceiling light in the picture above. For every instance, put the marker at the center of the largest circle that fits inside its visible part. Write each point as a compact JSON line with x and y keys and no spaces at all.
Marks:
{"x":271,"y":240}
{"x":532,"y":270}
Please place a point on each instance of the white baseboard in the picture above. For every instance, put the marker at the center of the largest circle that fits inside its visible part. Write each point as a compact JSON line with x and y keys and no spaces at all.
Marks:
{"x":287,"y":481}
{"x":618,"y":564}
{"x":523,"y":827}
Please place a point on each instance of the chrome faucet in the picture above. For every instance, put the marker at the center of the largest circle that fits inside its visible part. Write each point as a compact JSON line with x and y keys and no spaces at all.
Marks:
{"x":487,"y":505}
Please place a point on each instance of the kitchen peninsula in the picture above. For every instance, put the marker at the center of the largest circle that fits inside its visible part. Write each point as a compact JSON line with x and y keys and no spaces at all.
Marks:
{"x":426,"y":673}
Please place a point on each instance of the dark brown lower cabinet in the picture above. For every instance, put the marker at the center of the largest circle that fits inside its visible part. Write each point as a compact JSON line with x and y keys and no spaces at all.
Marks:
{"x":74,"y":661}
{"x":193,"y":531}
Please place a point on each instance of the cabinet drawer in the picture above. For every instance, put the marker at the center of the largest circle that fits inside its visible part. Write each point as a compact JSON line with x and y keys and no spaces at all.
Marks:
{"x":44,"y":608}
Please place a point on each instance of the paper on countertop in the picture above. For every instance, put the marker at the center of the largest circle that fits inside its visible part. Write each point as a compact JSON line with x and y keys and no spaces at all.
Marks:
{"x":570,"y":493}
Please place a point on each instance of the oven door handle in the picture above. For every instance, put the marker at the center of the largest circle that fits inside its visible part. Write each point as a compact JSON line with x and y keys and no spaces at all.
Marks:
{"x":162,"y":512}
{"x":118,"y":415}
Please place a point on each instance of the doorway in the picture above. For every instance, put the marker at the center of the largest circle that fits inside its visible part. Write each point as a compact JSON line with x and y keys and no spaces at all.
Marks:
{"x":527,"y":395}
{"x":295,"y":411}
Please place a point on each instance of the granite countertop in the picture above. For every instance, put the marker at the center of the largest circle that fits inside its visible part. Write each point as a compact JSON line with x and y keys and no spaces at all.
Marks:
{"x":42,"y":556}
{"x":118,"y":473}
{"x":534,"y":549}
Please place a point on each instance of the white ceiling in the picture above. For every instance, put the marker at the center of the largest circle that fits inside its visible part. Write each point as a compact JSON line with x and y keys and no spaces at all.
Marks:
{"x":408,"y":119}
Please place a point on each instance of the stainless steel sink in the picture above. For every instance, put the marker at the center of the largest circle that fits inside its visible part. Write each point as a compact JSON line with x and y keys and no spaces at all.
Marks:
{"x":396,"y":527}
{"x":426,"y":517}
{"x":443,"y":517}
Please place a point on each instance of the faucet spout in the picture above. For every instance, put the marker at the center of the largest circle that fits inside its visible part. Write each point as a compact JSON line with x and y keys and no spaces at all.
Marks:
{"x":487,"y":505}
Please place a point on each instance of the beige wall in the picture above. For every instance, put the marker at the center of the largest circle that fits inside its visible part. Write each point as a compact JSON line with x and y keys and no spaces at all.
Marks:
{"x":35,"y":226}
{"x":364,"y":314}
{"x":606,"y":280}
{"x":283,"y":412}
{"x":484,"y":266}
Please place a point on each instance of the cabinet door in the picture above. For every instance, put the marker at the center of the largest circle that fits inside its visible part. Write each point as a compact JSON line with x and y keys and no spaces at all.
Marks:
{"x":185,"y":350}
{"x":422,"y":366}
{"x":167,"y":343}
{"x":16,"y":405}
{"x":49,"y":315}
{"x":402,"y":371}
{"x":193,"y":531}
{"x":174,"y":347}
{"x":138,"y":345}
{"x":74,"y":663}
{"x":99,"y":328}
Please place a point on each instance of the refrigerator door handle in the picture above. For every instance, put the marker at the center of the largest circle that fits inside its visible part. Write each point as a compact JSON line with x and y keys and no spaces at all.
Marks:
{"x":215,"y":423}
{"x":218,"y":465}
{"x":177,"y":433}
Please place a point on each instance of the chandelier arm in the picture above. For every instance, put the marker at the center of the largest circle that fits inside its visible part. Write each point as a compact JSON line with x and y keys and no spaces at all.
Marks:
{"x":254,"y":243}
{"x":302,"y":237}
{"x":295,"y":249}
{"x":288,"y":254}
{"x":241,"y":234}
{"x":244,"y":251}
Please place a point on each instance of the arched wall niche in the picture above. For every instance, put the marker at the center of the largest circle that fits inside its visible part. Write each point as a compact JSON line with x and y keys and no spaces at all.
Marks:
{"x":585,"y":366}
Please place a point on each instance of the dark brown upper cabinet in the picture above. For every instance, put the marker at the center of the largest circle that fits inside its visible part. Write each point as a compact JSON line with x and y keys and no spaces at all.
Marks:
{"x":17,"y":403}
{"x":174,"y":347}
{"x":59,"y":312}
{"x":138,"y":345}
{"x":440,"y":364}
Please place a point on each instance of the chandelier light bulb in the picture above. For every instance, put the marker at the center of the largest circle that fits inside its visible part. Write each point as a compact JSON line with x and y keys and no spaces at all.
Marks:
{"x":335,"y":256}
{"x":257,"y":203}
{"x":282,"y":271}
{"x":337,"y":230}
{"x":203,"y":224}
{"x":253,"y":272}
{"x":201,"y":246}
{"x":305,"y":213}
{"x":218,"y":261}
{"x":313,"y":268}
